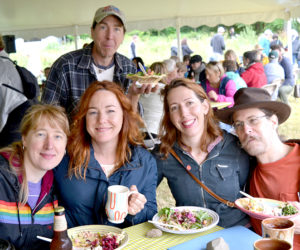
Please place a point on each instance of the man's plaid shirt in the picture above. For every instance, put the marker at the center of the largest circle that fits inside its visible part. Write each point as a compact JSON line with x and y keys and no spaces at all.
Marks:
{"x":72,"y":73}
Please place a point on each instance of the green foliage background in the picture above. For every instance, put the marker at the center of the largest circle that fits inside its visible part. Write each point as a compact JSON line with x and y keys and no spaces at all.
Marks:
{"x":154,"y":45}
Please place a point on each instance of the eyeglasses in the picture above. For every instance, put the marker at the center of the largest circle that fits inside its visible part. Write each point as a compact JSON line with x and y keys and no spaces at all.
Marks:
{"x":252,"y":122}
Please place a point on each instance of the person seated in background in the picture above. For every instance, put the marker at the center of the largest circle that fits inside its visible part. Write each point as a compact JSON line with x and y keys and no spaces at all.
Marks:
{"x":136,"y":61}
{"x":171,"y":70}
{"x":231,"y":72}
{"x":186,"y":61}
{"x":254,"y":75}
{"x":175,"y":58}
{"x":255,"y":118}
{"x":189,"y":128}
{"x":197,"y":69}
{"x":105,"y":148}
{"x":26,"y":178}
{"x":275,"y":40}
{"x":153,"y":107}
{"x":181,"y":69}
{"x":261,"y":57}
{"x":287,"y":86}
{"x":185,"y":48}
{"x":218,"y":86}
{"x":46,"y":73}
{"x":273,"y":70}
{"x":231,"y":55}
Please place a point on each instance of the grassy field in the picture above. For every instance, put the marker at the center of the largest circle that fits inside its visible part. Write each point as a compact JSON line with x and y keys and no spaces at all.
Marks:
{"x":289,"y":130}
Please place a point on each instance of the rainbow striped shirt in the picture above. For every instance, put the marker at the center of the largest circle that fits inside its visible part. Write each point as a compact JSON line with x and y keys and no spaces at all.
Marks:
{"x":9,"y":213}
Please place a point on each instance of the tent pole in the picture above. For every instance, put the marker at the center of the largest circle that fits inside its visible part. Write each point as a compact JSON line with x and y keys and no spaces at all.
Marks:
{"x":179,"y":54}
{"x":76,"y":36}
{"x":289,"y":38}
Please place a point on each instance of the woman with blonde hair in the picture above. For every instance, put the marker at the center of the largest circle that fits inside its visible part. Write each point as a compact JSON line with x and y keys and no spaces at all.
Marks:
{"x":231,"y":55}
{"x":190,"y":129}
{"x":26,"y":178}
{"x":218,"y":86}
{"x":104,"y":149}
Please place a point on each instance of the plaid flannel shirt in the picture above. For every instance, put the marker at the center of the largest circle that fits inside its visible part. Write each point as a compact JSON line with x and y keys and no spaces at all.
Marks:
{"x":72,"y":73}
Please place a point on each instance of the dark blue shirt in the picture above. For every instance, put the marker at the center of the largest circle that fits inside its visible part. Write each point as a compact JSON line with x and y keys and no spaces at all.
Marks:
{"x":84,"y":200}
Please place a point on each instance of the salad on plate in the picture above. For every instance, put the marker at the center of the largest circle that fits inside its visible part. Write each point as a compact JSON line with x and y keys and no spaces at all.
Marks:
{"x":187,"y":219}
{"x":96,"y":241}
{"x":97,"y":237}
{"x":261,"y":208}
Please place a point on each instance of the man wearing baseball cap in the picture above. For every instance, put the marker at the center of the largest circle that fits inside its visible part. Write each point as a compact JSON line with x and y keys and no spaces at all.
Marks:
{"x":197,"y":68}
{"x":73,"y":72}
{"x":255,"y":118}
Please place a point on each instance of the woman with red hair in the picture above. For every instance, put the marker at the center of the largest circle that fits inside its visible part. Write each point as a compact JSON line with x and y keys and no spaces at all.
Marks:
{"x":190,"y":128}
{"x":105,"y":148}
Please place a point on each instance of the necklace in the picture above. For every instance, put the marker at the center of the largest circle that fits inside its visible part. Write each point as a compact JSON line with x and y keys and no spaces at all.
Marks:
{"x":101,"y":68}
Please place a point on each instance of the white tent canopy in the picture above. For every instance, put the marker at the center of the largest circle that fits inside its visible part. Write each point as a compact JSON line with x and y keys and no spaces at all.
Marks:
{"x":40,"y":18}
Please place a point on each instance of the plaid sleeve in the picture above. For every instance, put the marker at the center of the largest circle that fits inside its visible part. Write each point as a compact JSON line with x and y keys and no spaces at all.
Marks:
{"x":55,"y":88}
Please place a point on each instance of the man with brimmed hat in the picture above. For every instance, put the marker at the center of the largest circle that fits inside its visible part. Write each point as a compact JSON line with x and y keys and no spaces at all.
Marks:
{"x":255,"y":118}
{"x":73,"y":72}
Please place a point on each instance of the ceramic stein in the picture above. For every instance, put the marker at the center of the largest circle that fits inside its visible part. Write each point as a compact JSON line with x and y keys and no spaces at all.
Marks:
{"x":274,"y":244}
{"x":116,"y":207}
{"x":278,"y":228}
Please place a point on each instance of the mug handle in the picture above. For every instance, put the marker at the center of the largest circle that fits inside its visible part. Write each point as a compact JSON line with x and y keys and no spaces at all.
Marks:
{"x":132,"y":192}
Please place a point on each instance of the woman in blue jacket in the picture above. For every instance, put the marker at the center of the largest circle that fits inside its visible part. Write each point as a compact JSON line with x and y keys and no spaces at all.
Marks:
{"x":212,"y":155}
{"x":104,"y":149}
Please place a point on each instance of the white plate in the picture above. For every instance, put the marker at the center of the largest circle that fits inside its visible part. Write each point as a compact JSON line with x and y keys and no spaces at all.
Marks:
{"x":102,"y":229}
{"x":213,"y":214}
{"x":261,"y":216}
{"x":160,"y":85}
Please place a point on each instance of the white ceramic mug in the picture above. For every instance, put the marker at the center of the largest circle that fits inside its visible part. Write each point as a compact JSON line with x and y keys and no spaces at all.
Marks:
{"x":116,"y":207}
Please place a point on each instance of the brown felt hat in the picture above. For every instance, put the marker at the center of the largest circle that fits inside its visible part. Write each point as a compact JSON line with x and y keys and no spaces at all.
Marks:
{"x":246,"y":98}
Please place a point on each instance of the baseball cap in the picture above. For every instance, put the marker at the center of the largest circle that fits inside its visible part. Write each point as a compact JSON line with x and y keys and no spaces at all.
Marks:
{"x":273,"y":54}
{"x":195,"y":58}
{"x":109,"y":10}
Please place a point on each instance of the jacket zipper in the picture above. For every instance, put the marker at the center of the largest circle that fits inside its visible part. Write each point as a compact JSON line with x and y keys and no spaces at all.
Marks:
{"x":200,"y":170}
{"x":34,"y":210}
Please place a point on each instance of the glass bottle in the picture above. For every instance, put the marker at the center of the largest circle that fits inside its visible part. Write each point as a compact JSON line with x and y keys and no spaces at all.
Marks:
{"x":60,"y":239}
